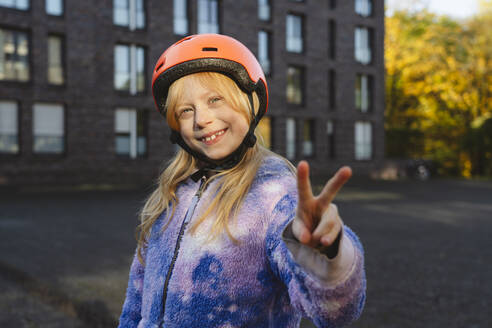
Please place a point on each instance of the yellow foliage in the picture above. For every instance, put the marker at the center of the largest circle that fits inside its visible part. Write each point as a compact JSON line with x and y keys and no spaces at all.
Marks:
{"x":439,"y":80}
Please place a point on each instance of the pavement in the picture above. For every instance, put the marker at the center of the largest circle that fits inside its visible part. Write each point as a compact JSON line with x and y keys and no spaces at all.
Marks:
{"x":65,"y":255}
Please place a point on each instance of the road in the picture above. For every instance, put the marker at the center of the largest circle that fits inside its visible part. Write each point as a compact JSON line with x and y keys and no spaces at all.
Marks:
{"x":64,"y":256}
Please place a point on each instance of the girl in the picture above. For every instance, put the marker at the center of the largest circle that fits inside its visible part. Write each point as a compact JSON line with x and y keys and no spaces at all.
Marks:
{"x":228,"y":239}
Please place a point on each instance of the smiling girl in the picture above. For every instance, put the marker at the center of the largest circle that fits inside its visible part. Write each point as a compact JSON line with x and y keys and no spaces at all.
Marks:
{"x":230,"y":237}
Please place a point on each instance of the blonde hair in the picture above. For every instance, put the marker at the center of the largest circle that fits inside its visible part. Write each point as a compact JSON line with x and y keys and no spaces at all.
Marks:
{"x":235,"y":183}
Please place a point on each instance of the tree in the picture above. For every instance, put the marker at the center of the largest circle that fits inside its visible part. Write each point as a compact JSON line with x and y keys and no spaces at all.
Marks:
{"x":438,"y":83}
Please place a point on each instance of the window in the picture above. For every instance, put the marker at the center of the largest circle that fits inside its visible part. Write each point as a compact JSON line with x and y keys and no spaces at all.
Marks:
{"x":295,"y":82}
{"x":264,"y":51}
{"x":332,"y":39}
{"x":330,"y":133}
{"x":363,"y":7}
{"x":363,"y":140}
{"x":54,"y":7}
{"x":208,"y":16}
{"x":264,"y":10}
{"x":9,"y":134}
{"x":265,"y":131}
{"x":293,"y":36}
{"x":129,"y":68}
{"x":308,"y":138}
{"x":363,"y":86}
{"x":16,"y":4}
{"x":180,"y":17}
{"x":55,"y":60}
{"x":332,"y":89}
{"x":48,"y":128}
{"x":14,"y":55}
{"x":121,"y":12}
{"x":363,"y":45}
{"x":129,"y":13}
{"x":290,"y":129}
{"x":130,"y":129}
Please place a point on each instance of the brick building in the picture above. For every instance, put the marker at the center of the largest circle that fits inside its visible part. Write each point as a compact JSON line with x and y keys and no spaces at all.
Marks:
{"x":75,"y":100}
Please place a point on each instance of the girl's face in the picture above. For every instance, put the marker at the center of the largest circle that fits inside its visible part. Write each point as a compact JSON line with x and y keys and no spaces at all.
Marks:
{"x":208,"y":124}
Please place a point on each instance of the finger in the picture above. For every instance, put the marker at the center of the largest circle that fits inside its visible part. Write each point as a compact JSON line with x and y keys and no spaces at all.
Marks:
{"x":333,"y":185}
{"x":305,"y":192}
{"x":330,"y":223}
{"x":300,"y":231}
{"x":330,"y":237}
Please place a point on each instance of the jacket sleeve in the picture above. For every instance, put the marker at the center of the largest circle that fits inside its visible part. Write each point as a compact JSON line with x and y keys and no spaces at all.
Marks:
{"x":130,"y":315}
{"x":330,"y":293}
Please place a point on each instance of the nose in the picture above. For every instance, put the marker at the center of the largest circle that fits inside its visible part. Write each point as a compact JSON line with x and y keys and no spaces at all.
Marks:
{"x":203,"y":117}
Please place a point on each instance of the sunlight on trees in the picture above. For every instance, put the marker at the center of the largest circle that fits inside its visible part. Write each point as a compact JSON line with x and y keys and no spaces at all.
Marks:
{"x":438,"y":83}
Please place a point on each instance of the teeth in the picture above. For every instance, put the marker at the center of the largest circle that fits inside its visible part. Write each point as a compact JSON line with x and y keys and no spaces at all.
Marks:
{"x":213,"y":136}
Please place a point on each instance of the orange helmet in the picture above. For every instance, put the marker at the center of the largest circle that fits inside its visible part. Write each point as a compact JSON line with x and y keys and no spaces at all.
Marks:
{"x":204,"y":53}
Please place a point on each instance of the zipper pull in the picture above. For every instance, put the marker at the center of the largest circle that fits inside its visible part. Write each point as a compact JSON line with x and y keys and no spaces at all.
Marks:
{"x":200,"y":189}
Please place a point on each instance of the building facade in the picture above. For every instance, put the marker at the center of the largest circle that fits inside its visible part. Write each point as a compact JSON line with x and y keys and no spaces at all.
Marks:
{"x":76,"y":106}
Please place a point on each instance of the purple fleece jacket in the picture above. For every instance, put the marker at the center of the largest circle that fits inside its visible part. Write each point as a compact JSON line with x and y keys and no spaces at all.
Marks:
{"x":258,"y":283}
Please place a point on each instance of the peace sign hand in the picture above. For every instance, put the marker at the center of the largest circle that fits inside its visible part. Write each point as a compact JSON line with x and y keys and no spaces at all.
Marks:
{"x":317,"y":220}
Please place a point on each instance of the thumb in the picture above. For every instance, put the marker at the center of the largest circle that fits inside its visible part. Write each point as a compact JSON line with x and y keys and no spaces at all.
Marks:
{"x":300,"y":231}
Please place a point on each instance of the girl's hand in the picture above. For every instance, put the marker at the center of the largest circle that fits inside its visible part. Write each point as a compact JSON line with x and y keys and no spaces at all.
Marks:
{"x":317,"y":220}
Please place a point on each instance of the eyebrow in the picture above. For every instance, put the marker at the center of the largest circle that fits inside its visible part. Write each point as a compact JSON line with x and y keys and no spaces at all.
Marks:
{"x":179,"y":106}
{"x":205,"y":95}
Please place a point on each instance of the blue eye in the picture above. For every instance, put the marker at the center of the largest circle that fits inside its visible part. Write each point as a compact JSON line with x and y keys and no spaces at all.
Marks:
{"x":215,"y":99}
{"x":185,"y":112}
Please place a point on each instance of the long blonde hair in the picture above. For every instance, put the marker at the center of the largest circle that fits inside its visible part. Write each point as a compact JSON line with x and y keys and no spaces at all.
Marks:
{"x":235,"y":182}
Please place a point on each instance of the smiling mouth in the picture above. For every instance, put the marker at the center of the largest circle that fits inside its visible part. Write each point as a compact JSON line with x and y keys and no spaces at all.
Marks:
{"x":213,"y":136}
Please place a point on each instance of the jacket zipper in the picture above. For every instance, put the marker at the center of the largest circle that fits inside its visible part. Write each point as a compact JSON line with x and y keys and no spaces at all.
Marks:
{"x":188,"y":216}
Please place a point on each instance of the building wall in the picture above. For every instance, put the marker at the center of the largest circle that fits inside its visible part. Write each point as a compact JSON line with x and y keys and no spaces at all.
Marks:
{"x":90,"y":99}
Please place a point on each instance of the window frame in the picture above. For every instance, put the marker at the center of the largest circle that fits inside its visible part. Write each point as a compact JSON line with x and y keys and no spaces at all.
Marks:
{"x":302,"y":88}
{"x":133,"y":50}
{"x":63,"y":150}
{"x":201,"y":24}
{"x":332,"y":89}
{"x":17,"y":119}
{"x":294,"y":141}
{"x":290,"y":39}
{"x":364,"y":8}
{"x":332,"y":39}
{"x":27,"y":35}
{"x":363,"y":53}
{"x":267,"y":7}
{"x":363,"y":154}
{"x":15,"y":6}
{"x":268,"y":51}
{"x":186,"y":16}
{"x":133,"y":134}
{"x":367,"y":92}
{"x":331,"y":136}
{"x":62,"y":60}
{"x":62,"y":5}
{"x":132,"y":15}
{"x":312,"y":135}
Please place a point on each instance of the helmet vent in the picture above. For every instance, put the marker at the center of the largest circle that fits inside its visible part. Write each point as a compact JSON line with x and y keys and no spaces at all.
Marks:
{"x":209,"y":49}
{"x":160,"y":65}
{"x":184,"y":39}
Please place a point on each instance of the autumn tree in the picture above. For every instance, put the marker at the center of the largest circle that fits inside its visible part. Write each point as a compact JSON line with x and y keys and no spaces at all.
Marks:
{"x":438,"y":83}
